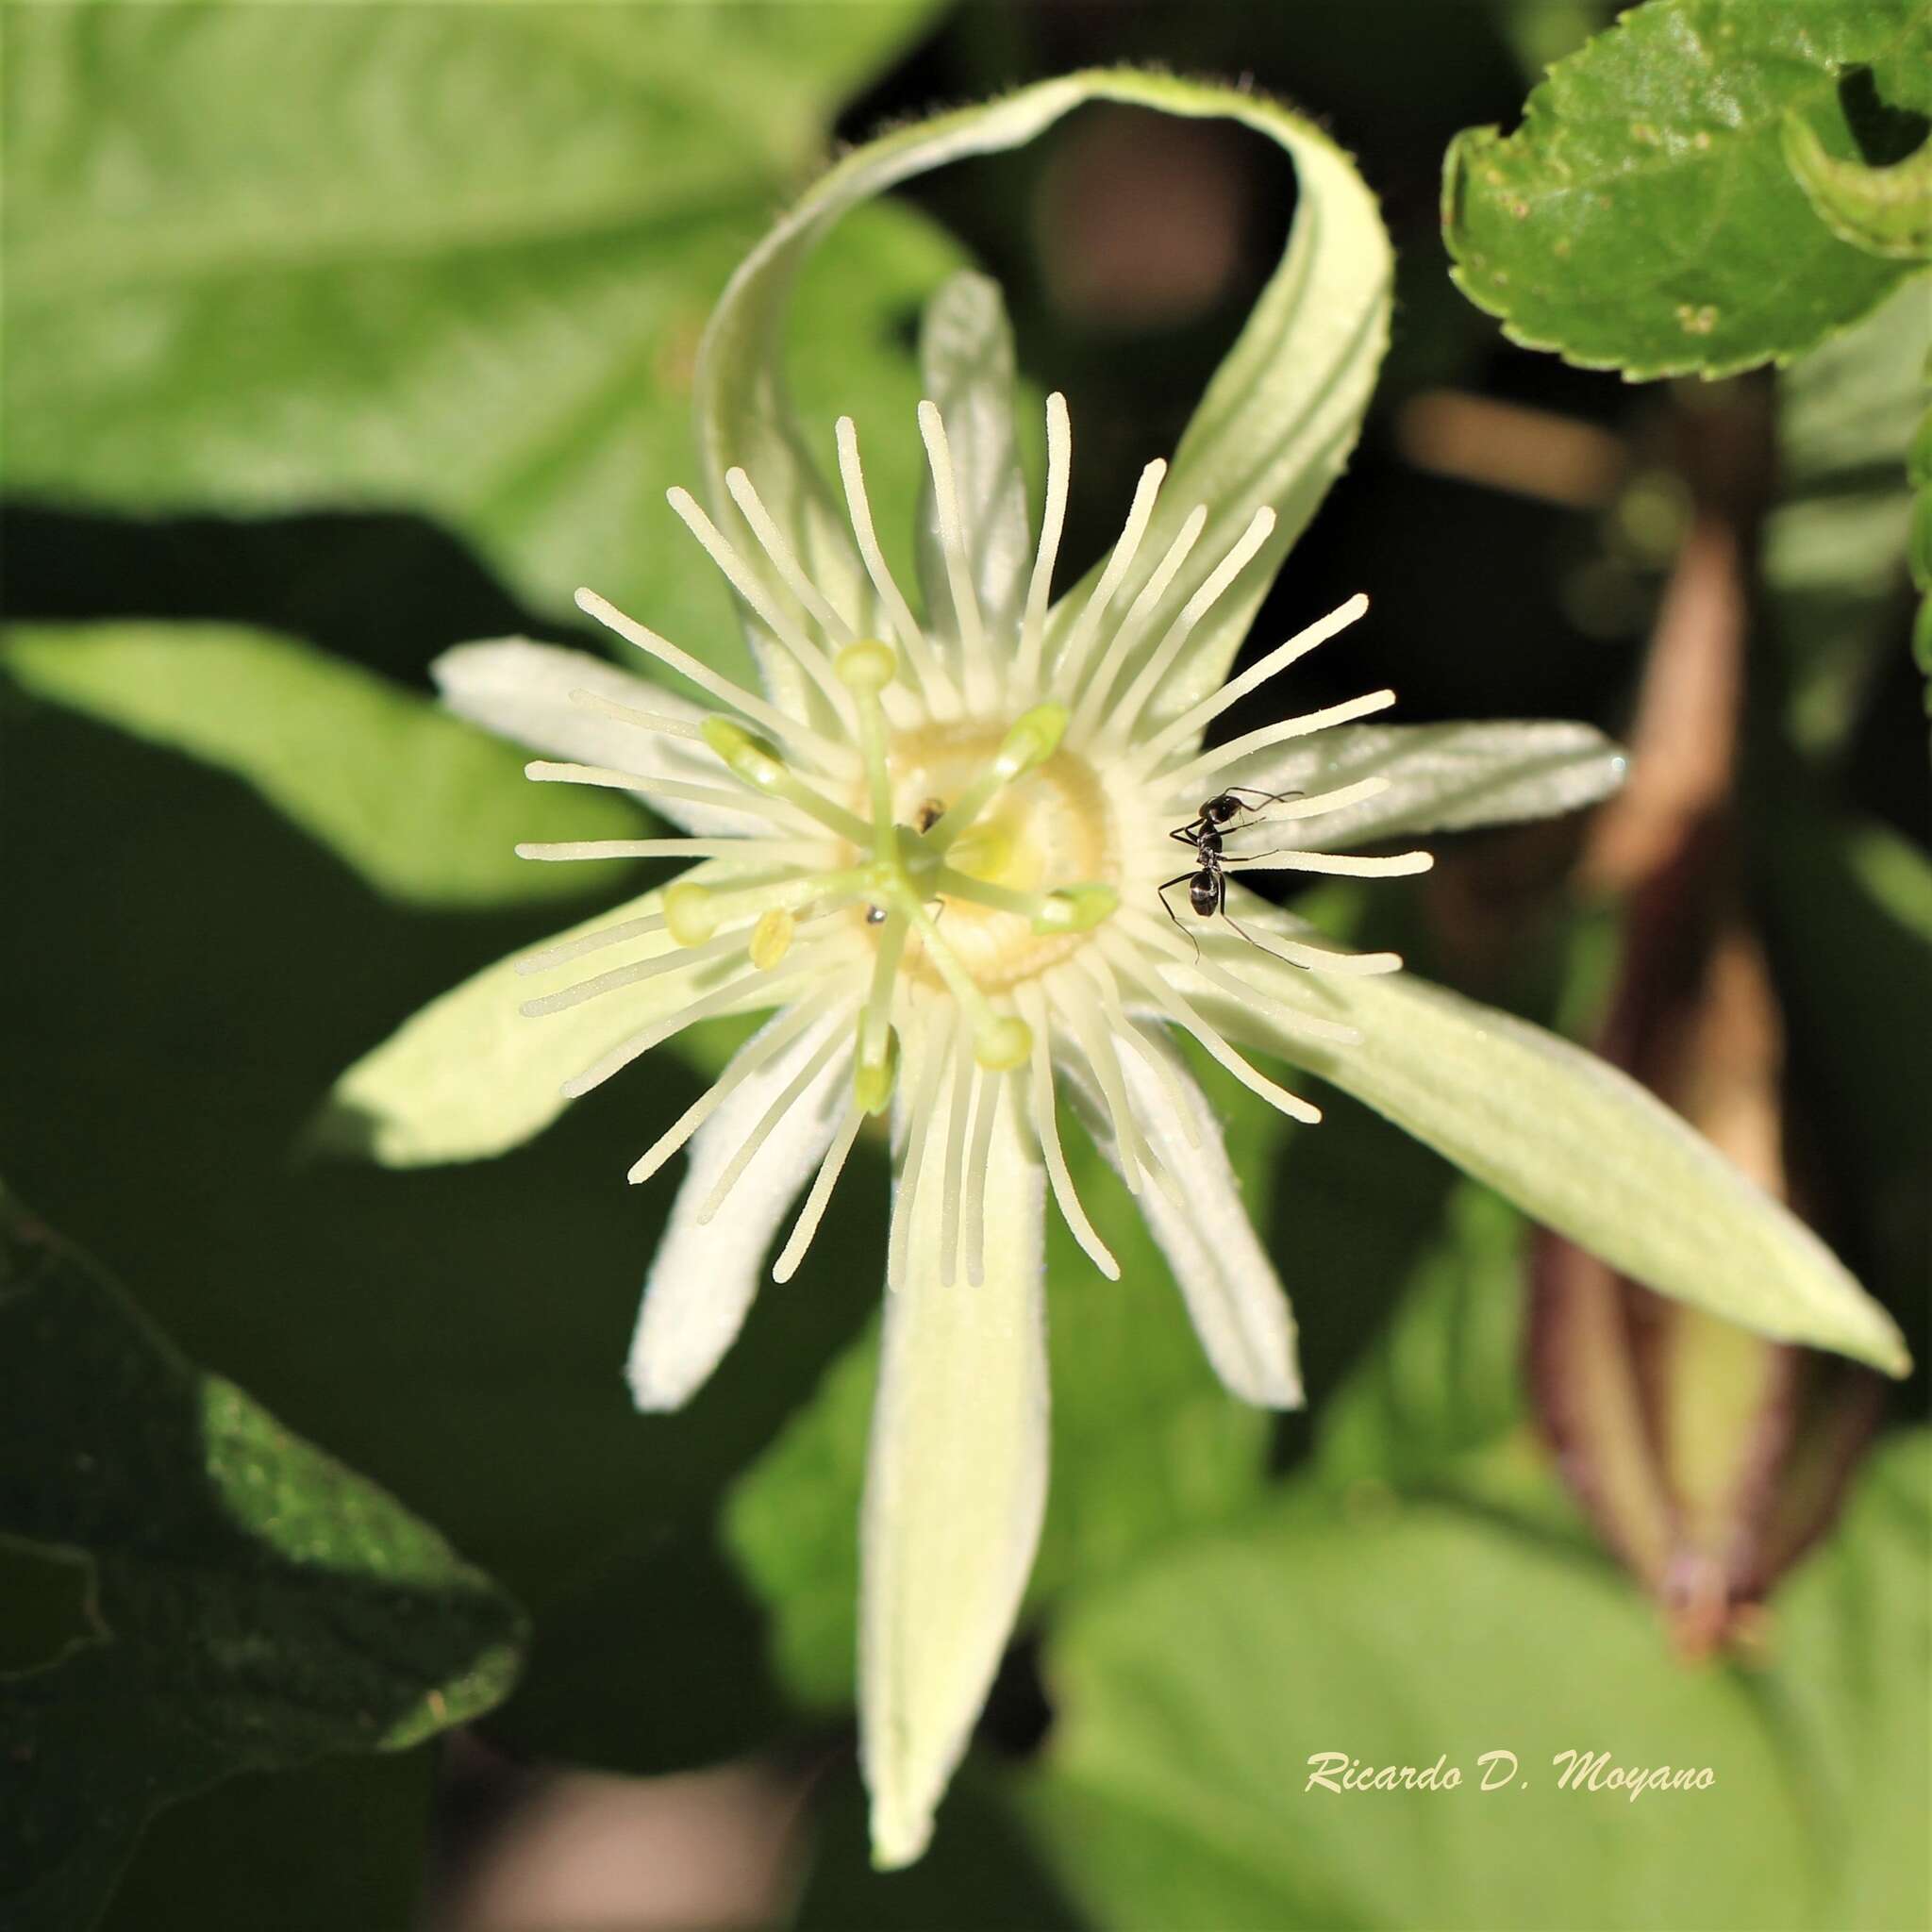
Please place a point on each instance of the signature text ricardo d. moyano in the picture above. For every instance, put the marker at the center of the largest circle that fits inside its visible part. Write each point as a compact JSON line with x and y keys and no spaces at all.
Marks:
{"x":1501,"y":1771}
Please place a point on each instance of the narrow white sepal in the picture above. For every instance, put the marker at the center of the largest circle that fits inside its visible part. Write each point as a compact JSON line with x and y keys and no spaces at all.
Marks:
{"x":521,"y":691}
{"x":954,"y":1492}
{"x":704,"y":1275}
{"x":1234,"y":1296}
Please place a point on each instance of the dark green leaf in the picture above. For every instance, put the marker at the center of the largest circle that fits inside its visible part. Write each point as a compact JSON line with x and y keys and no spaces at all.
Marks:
{"x":1643,"y":216}
{"x":253,"y":1603}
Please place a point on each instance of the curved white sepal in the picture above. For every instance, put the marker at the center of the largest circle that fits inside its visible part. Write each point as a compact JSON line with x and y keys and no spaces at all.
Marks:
{"x":705,"y":1273}
{"x":954,"y":1490}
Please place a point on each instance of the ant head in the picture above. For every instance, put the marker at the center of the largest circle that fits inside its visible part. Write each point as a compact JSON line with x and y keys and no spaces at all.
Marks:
{"x":1221,"y":808}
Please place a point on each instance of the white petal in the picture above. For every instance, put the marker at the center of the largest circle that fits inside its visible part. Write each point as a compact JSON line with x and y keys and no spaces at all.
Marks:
{"x":704,"y":1275}
{"x":1239,"y":1307}
{"x":522,"y":691}
{"x":954,"y":1490}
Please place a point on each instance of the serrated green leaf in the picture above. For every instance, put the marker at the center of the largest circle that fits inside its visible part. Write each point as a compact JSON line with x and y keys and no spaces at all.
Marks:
{"x":253,"y":1603}
{"x":1643,"y":216}
{"x":1193,"y":1697}
{"x":1575,"y":1145}
{"x":424,"y":808}
{"x":1883,"y":210}
{"x":446,"y":259}
{"x":1275,"y":427}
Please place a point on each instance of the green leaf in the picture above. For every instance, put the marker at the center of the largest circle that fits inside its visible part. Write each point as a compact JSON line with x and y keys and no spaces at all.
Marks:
{"x":424,"y":808}
{"x":453,"y":261}
{"x":1643,"y":216}
{"x":1193,"y":1696}
{"x":1883,"y":210}
{"x":1276,"y":423}
{"x":1575,"y":1145}
{"x":253,"y":1603}
{"x":473,"y":1075}
{"x":1835,"y":541}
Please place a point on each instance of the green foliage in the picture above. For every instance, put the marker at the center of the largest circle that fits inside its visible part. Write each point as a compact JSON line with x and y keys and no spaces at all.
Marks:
{"x":440,"y":260}
{"x":1884,"y":210}
{"x":1835,"y":538}
{"x":1175,"y":1792}
{"x":425,"y":809}
{"x":252,"y":1602}
{"x":1644,"y":217}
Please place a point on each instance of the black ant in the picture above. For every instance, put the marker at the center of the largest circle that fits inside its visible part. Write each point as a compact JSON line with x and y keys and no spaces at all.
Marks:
{"x":1208,"y":884}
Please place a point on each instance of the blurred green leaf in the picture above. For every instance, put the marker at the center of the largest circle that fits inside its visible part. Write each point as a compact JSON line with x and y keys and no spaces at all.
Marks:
{"x":1193,"y":1696}
{"x":1643,"y":216}
{"x":1883,"y":210}
{"x":1834,"y":548}
{"x":424,"y":806}
{"x":453,"y":260}
{"x":253,"y":1603}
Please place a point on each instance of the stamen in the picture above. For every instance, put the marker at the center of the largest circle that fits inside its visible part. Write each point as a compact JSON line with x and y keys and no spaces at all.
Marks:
{"x":1342,"y":864}
{"x":1071,"y":662}
{"x":1051,"y":521}
{"x":1190,"y":776}
{"x":1184,"y":1016}
{"x":811,"y":660}
{"x":1240,"y":554}
{"x":1064,"y":909}
{"x":878,"y":1060}
{"x":1046,"y":1129}
{"x":1191,"y":722}
{"x":825,"y":753}
{"x":938,"y":686}
{"x":806,"y":1226}
{"x":866,"y":669}
{"x":629,"y":714}
{"x":759,"y":766}
{"x":932,"y":1051}
{"x":694,"y":912}
{"x":638,"y":970}
{"x":793,"y":1092}
{"x":571,"y":849}
{"x":744,"y":1062}
{"x":1034,"y":737}
{"x":999,"y":1039}
{"x":945,"y":498}
{"x":991,"y":1087}
{"x":1139,"y":617}
{"x":770,"y":937}
{"x":719,"y":1000}
{"x":555,"y":772}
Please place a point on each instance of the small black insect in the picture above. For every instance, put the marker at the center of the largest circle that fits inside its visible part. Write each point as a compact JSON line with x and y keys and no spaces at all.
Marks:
{"x":1208,"y":883}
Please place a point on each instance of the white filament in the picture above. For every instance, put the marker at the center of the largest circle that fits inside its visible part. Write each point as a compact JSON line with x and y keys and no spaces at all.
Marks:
{"x":1137,"y":621}
{"x":952,"y":530}
{"x":1051,"y":521}
{"x":1191,"y":722}
{"x":1071,"y":664}
{"x":807,"y":1225}
{"x":1190,"y":776}
{"x":836,"y":1041}
{"x":1046,"y":1127}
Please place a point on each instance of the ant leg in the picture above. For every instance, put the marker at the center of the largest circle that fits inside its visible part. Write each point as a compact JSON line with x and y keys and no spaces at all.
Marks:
{"x":1266,"y":797}
{"x":1180,"y":879}
{"x":1257,"y":943}
{"x":1190,"y":835}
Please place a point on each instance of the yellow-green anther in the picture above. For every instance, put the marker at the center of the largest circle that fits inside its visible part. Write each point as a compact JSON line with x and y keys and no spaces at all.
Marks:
{"x":1002,"y":1041}
{"x":1075,"y":908}
{"x":1034,"y":737}
{"x":770,"y":937}
{"x":752,"y":762}
{"x":867,"y":665}
{"x":873,"y":1080}
{"x":691,"y":914}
